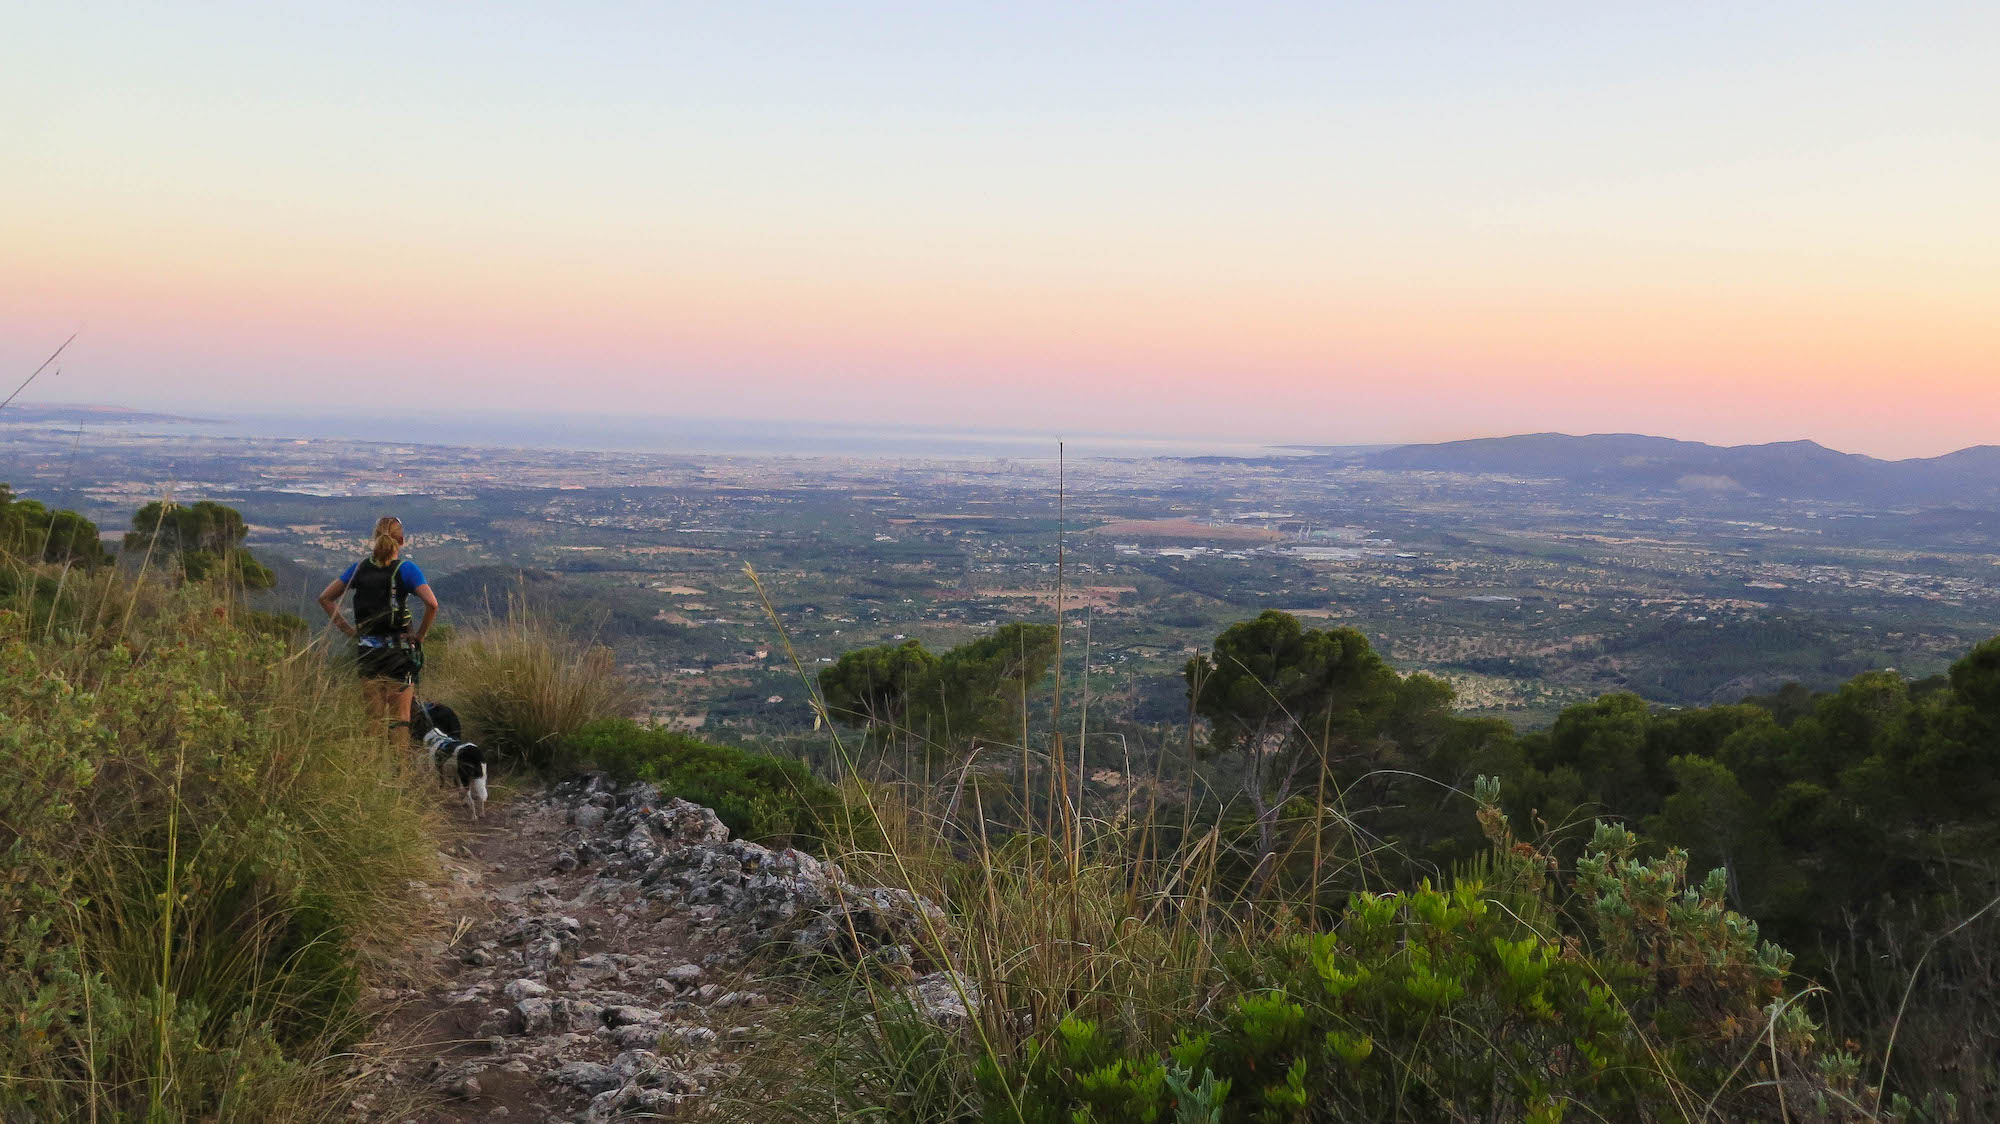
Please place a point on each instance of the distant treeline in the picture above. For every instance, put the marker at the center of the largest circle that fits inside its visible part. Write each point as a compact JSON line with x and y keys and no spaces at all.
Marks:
{"x":201,"y":540}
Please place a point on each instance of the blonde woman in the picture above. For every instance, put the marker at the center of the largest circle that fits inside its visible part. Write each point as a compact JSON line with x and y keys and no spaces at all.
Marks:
{"x":389,"y":655}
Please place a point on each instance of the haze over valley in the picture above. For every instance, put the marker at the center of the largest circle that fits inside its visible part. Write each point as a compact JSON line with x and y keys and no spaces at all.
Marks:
{"x":1529,"y":572}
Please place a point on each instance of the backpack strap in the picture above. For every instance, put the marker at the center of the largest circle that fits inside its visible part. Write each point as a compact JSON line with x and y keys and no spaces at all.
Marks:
{"x":398,"y":597}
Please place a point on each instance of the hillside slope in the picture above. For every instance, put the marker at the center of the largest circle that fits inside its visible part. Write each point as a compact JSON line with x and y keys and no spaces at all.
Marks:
{"x":1790,"y":469}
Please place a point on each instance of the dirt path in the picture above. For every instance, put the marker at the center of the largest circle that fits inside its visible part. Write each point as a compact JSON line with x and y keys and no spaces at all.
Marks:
{"x":560,"y":988}
{"x":596,"y":960}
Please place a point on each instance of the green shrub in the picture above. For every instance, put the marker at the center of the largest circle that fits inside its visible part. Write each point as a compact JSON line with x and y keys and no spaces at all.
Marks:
{"x":1472,"y":1003}
{"x":30,"y":531}
{"x":905,"y":693}
{"x":205,"y":539}
{"x":199,"y":848}
{"x":768,"y":799}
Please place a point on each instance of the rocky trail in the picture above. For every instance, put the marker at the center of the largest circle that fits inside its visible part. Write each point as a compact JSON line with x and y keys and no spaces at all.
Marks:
{"x":610,"y":954}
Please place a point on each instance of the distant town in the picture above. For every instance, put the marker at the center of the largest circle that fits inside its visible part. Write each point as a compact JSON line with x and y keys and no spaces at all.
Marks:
{"x":1525,"y":592}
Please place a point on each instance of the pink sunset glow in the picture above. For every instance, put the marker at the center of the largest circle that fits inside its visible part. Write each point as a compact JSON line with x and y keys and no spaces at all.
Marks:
{"x":1707,"y":241}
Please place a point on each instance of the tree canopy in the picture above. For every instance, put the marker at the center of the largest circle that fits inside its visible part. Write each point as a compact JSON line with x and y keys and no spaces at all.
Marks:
{"x":30,"y":529}
{"x":975,"y":690}
{"x":872,"y":686}
{"x":205,"y":538}
{"x":1289,"y":699}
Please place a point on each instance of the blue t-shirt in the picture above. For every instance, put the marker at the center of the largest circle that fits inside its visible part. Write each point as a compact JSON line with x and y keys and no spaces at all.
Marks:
{"x":407,"y":574}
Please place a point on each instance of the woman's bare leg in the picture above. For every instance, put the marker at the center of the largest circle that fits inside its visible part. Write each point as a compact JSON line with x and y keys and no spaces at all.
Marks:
{"x":378,"y":695}
{"x":399,"y":698}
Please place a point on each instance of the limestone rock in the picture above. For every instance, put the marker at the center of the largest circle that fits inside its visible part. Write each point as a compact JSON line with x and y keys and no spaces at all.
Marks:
{"x":536,"y":1015}
{"x":860,"y":922}
{"x":588,"y":1076}
{"x":942,"y":997}
{"x":518,"y":990}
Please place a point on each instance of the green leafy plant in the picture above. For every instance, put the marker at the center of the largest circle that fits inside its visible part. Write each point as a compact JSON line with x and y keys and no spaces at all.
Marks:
{"x":1472,"y":1003}
{"x":770,"y":799}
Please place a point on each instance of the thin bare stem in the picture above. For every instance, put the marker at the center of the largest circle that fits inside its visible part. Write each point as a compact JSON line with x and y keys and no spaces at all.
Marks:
{"x":38,"y":370}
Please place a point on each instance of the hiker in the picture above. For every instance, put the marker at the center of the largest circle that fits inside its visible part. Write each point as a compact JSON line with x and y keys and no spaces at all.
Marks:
{"x":390,"y":657}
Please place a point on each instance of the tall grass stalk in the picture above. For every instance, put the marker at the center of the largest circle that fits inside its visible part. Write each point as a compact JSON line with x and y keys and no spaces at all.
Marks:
{"x":935,"y":939}
{"x":163,"y":987}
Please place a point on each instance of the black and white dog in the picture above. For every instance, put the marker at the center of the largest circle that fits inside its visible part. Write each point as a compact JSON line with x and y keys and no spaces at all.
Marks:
{"x":435,"y":727}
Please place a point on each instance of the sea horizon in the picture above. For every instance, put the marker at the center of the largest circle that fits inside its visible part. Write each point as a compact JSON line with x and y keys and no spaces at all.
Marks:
{"x":662,"y":435}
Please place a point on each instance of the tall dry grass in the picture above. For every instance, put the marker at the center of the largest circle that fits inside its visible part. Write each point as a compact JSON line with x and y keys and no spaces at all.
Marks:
{"x":1037,"y":934}
{"x":1053,"y":912}
{"x":523,"y":683}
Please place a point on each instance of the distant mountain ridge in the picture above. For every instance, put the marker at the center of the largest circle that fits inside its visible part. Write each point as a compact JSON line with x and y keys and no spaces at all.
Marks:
{"x":1789,"y":469}
{"x":60,"y":413}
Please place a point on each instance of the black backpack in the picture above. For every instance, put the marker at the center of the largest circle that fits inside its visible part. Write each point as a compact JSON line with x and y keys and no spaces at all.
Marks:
{"x":381,"y":604}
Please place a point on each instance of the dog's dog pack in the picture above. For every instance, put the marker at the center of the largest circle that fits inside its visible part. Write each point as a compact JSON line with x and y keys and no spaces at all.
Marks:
{"x":435,"y":727}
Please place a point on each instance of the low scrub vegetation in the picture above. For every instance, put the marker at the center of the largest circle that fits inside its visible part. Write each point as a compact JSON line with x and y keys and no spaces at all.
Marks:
{"x":201,"y":854}
{"x":1475,"y":1002}
{"x":769,"y":799}
{"x":1342,"y":902}
{"x":1110,"y":986}
{"x":1353,"y":927}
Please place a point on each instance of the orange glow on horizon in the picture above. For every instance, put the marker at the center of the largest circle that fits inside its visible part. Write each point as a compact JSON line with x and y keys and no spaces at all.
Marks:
{"x":1286,"y":225}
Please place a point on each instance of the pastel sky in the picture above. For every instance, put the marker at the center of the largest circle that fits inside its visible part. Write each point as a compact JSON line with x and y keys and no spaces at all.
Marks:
{"x":1289,"y":222}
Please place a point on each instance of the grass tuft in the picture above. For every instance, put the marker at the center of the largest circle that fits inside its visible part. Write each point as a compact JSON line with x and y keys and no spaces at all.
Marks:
{"x":524,"y":685}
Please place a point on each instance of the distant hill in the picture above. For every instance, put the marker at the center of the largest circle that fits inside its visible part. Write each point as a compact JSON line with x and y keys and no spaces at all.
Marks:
{"x":66,"y":414}
{"x":1789,"y":469}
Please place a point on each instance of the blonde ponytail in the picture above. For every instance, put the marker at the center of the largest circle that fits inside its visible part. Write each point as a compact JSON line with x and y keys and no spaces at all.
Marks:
{"x":388,"y":539}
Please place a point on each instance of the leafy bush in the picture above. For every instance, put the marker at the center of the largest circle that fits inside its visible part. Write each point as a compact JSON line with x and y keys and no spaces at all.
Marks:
{"x":1860,"y":831}
{"x":759,"y":797}
{"x":975,"y":690}
{"x":200,"y":846}
{"x":1473,"y":1004}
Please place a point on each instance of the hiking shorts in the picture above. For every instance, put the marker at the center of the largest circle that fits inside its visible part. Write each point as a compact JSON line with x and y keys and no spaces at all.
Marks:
{"x":396,"y":660}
